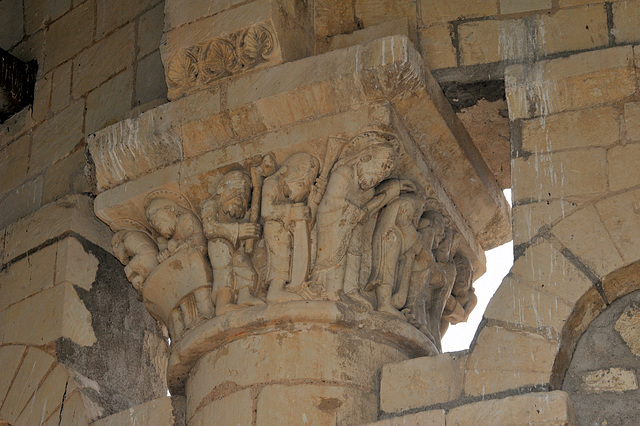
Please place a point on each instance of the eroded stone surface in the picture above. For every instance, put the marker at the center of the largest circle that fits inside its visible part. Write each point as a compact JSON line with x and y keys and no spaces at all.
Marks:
{"x":628,"y":325}
{"x":610,"y":380}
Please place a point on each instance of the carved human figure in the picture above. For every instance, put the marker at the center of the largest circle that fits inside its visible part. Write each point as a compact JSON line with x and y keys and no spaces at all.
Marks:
{"x":225,"y":219}
{"x":431,"y":228}
{"x":462,"y":299}
{"x":354,"y":192}
{"x":285,"y":209}
{"x":183,"y":249}
{"x":396,"y":243}
{"x":138,"y":252}
{"x":440,"y":284}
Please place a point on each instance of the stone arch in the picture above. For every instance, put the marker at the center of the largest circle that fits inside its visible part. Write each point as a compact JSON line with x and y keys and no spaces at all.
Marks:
{"x":615,"y":285}
{"x":568,"y":273}
{"x":36,"y":389}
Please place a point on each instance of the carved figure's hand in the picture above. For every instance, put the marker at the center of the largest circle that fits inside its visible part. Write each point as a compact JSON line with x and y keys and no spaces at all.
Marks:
{"x":407,"y":186}
{"x":163,"y":255}
{"x":300,"y":211}
{"x":321,"y":184}
{"x":249,"y":230}
{"x":315,"y":196}
{"x":363,"y":216}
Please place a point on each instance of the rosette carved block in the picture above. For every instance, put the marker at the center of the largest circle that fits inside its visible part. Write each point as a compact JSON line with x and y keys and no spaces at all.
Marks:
{"x":309,"y":229}
{"x":205,"y":49}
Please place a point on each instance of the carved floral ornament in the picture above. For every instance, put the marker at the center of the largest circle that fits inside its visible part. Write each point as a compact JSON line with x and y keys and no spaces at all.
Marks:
{"x":221,"y":57}
{"x":338,"y":229}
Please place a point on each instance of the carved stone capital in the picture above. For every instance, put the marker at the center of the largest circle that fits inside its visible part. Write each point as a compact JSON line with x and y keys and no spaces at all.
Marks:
{"x":345,"y":206}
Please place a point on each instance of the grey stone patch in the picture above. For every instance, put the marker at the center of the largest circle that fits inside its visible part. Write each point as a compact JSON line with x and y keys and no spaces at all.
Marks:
{"x":123,"y":371}
{"x":600,"y":349}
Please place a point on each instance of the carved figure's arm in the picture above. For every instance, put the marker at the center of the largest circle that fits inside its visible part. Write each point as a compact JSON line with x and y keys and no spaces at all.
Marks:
{"x":386,"y":192}
{"x":272,"y":208}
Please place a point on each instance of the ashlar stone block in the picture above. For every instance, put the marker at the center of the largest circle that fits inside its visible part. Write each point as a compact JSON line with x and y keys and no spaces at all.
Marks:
{"x":619,"y":213}
{"x":56,"y":137}
{"x":625,"y":18}
{"x":543,"y":266}
{"x":438,"y":11}
{"x":421,"y":382}
{"x":505,"y":359}
{"x":72,"y":213}
{"x":595,"y":248}
{"x":548,"y":176}
{"x":27,"y":276}
{"x":573,"y":29}
{"x":519,"y":303}
{"x":622,"y":173}
{"x":74,"y":413}
{"x":437,"y":47}
{"x":104,"y":59}
{"x":529,"y":218}
{"x":574,"y":129}
{"x":46,"y":399}
{"x":423,"y":418}
{"x":69,"y":35}
{"x":110,"y":102}
{"x":14,"y":162}
{"x":155,"y":412}
{"x":577,"y":81}
{"x":35,"y":365}
{"x":60,"y":314}
{"x":372,"y":12}
{"x":234,"y":409}
{"x":10,"y":359}
{"x":315,"y":404}
{"x":517,"y":6}
{"x":550,"y":408}
{"x":489,"y":41}
{"x":632,"y":121}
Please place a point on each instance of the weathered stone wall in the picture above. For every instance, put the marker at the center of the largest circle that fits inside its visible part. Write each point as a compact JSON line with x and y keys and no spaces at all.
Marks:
{"x":67,"y":313}
{"x":98,"y":62}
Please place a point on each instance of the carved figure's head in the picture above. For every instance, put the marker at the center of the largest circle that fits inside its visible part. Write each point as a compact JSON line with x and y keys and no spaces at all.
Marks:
{"x":119,"y":250}
{"x":409,"y":210}
{"x":235,"y":193}
{"x":375,"y":164}
{"x":162,"y":214}
{"x":298,"y":172}
{"x":432,"y":227}
{"x":464,"y":276}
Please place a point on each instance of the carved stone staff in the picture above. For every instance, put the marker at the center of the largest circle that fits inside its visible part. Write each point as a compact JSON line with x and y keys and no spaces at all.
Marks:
{"x":258,"y":173}
{"x":301,"y":229}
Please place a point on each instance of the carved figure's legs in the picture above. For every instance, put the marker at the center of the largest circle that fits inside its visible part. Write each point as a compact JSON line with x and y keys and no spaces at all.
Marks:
{"x":203,"y":301}
{"x":176,"y":327}
{"x":221,"y":259}
{"x":246,"y":279}
{"x":353,"y":266}
{"x":279,"y":245}
{"x":383,"y":292}
{"x":224,"y":301}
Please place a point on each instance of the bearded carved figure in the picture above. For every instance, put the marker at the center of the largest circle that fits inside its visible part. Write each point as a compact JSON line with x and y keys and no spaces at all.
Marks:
{"x":287,"y":216}
{"x":355,"y":191}
{"x":227,"y":226}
